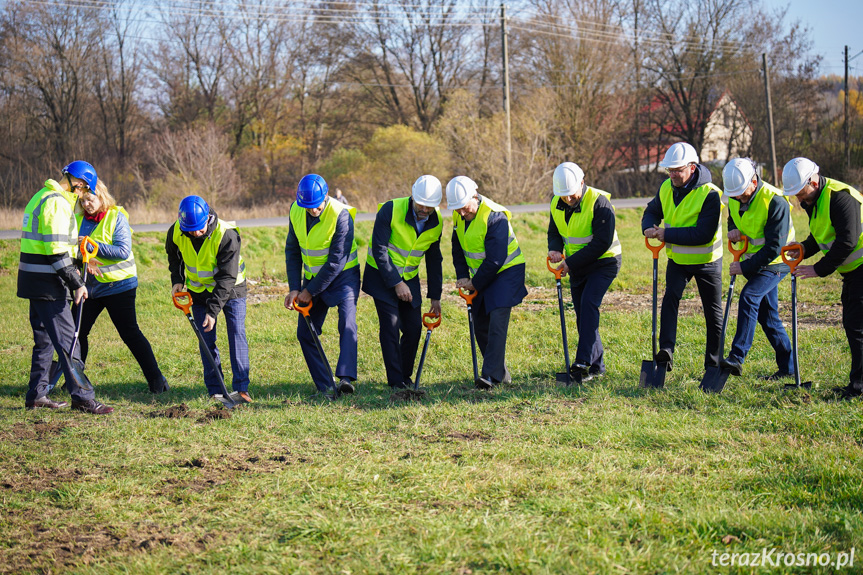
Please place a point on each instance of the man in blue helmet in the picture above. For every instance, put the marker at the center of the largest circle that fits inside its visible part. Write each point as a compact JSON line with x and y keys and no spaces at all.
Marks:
{"x":48,"y":277}
{"x":204,"y":256}
{"x":322,"y":267}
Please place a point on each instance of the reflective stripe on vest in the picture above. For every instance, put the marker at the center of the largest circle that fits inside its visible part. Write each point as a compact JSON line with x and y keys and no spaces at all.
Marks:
{"x":315,"y":243}
{"x":472,"y":240}
{"x":103,"y":233}
{"x":201,"y":265}
{"x":578,"y":232}
{"x":751,"y":222}
{"x":405,"y":248}
{"x":49,"y":228}
{"x":821,"y":227}
{"x":686,"y":215}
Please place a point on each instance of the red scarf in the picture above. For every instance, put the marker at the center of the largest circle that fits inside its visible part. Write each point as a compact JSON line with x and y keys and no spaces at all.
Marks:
{"x":95,"y":217}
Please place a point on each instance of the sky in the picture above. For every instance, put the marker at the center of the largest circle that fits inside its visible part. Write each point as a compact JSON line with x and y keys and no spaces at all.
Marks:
{"x":833,"y":24}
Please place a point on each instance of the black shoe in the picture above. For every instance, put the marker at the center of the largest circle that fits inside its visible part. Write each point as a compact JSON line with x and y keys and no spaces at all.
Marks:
{"x":848,"y":392}
{"x":92,"y":406}
{"x":159,"y":386}
{"x":484,"y":383}
{"x":401,"y":385}
{"x":44,"y":402}
{"x":507,"y":376}
{"x":597,"y":373}
{"x":665,"y":356}
{"x":776,"y":376}
{"x":577,"y":369}
{"x":346,"y":386}
{"x":733,"y":367}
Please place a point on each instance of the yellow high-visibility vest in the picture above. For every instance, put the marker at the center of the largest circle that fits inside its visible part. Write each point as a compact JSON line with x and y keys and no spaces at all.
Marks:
{"x":406,"y":249}
{"x":751,"y":222}
{"x":578,"y":232}
{"x":821,"y":227}
{"x":315,"y":243}
{"x":686,"y":215}
{"x":201,"y":265}
{"x":472,"y":240}
{"x":103,"y":233}
{"x":49,"y":228}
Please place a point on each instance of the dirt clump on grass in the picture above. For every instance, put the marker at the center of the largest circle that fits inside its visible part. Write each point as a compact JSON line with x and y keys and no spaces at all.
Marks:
{"x":35,"y":431}
{"x":469,"y":436}
{"x":217,"y":412}
{"x":408,"y":395}
{"x":173,"y":412}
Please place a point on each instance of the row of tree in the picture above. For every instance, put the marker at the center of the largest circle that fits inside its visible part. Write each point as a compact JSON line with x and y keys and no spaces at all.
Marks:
{"x":236,"y":100}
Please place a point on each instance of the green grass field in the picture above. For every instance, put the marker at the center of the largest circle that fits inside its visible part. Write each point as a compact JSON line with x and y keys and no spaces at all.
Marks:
{"x":530,"y":478}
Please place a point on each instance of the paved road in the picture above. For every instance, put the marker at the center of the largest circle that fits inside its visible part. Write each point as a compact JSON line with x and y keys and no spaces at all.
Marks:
{"x":361,"y":217}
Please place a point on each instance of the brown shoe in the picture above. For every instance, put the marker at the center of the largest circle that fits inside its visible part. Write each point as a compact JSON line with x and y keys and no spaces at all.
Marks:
{"x":45,"y":402}
{"x":244,"y":395}
{"x":92,"y":406}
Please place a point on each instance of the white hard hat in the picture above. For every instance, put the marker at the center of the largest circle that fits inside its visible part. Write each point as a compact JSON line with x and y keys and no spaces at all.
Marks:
{"x":459,"y":191}
{"x":679,"y":155}
{"x":737,"y":176}
{"x":567,"y":180}
{"x":796,"y":174}
{"x":426,"y":191}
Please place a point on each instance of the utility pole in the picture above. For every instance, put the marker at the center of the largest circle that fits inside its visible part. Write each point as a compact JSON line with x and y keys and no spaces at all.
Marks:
{"x":636,"y":163}
{"x":505,"y":51}
{"x":845,"y":124}
{"x":770,"y":121}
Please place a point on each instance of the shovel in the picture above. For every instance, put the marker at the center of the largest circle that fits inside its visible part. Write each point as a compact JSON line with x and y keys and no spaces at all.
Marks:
{"x":77,"y":366}
{"x":653,"y":372}
{"x":304,"y":311}
{"x":793,"y":263}
{"x":183,"y":302}
{"x":430,"y":325}
{"x":715,"y":377}
{"x":565,"y":377}
{"x":468,"y":298}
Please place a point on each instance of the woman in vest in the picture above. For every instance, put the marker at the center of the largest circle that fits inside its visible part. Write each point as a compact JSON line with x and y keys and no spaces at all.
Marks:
{"x":204,"y":258}
{"x":488,"y":260}
{"x":406,"y":231}
{"x":48,"y":278}
{"x":113,"y":281}
{"x":760,"y":212}
{"x":322,"y":264}
{"x":835,"y":229}
{"x":582,"y":234}
{"x":690,"y":207}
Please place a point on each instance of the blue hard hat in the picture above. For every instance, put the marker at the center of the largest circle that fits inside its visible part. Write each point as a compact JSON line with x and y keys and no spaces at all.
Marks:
{"x":311,"y":191}
{"x":82,"y":171}
{"x":194,"y":212}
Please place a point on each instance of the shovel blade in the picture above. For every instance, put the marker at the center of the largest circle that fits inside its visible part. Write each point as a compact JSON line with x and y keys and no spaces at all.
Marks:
{"x":564,"y":378}
{"x":714,"y":379}
{"x":805,"y":385}
{"x":652,"y":374}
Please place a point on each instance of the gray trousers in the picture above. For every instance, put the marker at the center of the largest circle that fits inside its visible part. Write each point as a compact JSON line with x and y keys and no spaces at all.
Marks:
{"x":53,"y":328}
{"x":491,"y":332}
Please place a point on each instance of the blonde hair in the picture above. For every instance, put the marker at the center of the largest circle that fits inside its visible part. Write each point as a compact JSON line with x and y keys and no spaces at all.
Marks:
{"x":105,"y":197}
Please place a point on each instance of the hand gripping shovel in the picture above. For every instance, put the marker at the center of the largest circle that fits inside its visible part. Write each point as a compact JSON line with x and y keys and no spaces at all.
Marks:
{"x":653,"y":372}
{"x":468,"y":298}
{"x":715,"y":377}
{"x":430,"y":325}
{"x":793,"y":263}
{"x":183,"y":302}
{"x":304,"y":311}
{"x":77,"y":366}
{"x":564,"y":377}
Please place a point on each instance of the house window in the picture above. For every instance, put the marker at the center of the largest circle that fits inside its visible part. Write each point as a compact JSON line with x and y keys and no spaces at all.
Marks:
{"x":713,"y":155}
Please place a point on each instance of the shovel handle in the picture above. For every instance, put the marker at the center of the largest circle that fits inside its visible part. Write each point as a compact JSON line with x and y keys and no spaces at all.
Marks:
{"x":467,"y":296}
{"x":178,"y":299}
{"x":653,"y":248}
{"x":427,"y":320}
{"x":793,"y":263}
{"x":87,"y":254}
{"x":558,"y":273}
{"x":741,"y":251}
{"x":302,"y":309}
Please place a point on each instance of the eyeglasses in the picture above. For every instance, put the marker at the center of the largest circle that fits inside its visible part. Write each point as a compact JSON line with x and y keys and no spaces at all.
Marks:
{"x":677,"y":170}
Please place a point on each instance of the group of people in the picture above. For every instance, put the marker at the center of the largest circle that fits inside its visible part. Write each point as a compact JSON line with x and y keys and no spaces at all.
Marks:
{"x":323,"y":269}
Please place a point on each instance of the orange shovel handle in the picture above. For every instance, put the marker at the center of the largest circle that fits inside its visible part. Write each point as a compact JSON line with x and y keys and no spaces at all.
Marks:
{"x":467,"y":296}
{"x":558,"y":273}
{"x":427,"y":320}
{"x":86,"y":254}
{"x":653,"y":248}
{"x":740,"y":252}
{"x":302,"y":309}
{"x":793,"y":263}
{"x":180,"y":304}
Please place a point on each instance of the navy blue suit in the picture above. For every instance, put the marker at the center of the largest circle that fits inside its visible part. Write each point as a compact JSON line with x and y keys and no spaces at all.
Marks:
{"x":333,"y":286}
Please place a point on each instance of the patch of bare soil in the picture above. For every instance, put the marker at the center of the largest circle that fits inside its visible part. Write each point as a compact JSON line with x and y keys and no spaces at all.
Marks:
{"x":173,"y":412}
{"x":35,"y":431}
{"x":469,"y":436}
{"x":217,"y":412}
{"x":44,"y":479}
{"x":408,"y":395}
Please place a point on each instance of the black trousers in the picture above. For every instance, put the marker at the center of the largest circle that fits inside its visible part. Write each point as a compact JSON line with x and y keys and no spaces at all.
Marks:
{"x":400,"y":332}
{"x":491,"y":331}
{"x":708,"y":278}
{"x":852,"y":321}
{"x":121,"y":309}
{"x":587,"y":293}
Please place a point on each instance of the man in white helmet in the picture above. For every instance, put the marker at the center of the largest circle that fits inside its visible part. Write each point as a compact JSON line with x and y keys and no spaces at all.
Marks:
{"x":760,"y":212}
{"x":835,"y":229}
{"x":487,"y":259}
{"x":406,"y":230}
{"x":582,"y":234}
{"x":690,"y":206}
